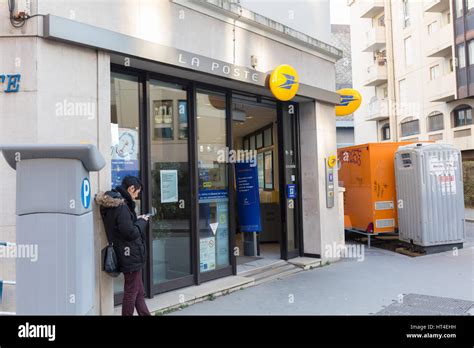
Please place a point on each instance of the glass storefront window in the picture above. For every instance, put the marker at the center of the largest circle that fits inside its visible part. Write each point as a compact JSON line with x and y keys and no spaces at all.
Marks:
{"x":259,"y":140}
{"x":213,"y":181}
{"x":170,"y":185}
{"x":125,"y":145}
{"x":261,"y":168}
{"x":268,"y":137}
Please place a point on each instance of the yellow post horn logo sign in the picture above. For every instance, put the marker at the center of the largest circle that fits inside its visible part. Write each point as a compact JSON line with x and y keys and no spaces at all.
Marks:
{"x":350,"y":101}
{"x":284,"y":82}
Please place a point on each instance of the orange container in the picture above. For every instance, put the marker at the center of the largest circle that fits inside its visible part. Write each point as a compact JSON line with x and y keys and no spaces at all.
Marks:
{"x":368,"y":175}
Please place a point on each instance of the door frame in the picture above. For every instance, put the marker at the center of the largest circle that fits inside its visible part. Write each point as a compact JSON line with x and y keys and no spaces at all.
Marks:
{"x":196,"y":277}
{"x":281,"y":113}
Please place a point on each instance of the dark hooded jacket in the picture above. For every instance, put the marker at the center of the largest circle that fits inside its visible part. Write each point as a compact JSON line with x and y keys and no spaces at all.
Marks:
{"x":127,"y":233}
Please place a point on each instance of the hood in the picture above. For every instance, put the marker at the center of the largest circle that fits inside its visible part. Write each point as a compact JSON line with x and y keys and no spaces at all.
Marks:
{"x":109,"y":199}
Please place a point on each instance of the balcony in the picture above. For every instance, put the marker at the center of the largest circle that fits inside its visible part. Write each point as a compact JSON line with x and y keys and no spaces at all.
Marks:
{"x":442,"y":89}
{"x":371,"y":8}
{"x":376,"y":74}
{"x":375,"y":39}
{"x":377,"y":110}
{"x":440,"y":43}
{"x":438,"y":6}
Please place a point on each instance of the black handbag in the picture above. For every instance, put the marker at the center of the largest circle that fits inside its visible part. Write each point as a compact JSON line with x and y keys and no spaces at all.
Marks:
{"x":110,"y":265}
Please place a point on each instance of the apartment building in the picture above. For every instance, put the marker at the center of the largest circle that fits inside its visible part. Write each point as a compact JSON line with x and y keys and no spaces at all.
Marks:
{"x":341,"y":38}
{"x":413,"y":62}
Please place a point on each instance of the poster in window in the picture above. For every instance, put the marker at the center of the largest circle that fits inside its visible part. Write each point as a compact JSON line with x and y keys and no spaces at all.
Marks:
{"x":222,"y":234}
{"x":207,"y":255}
{"x":124,"y":154}
{"x":169,"y":186}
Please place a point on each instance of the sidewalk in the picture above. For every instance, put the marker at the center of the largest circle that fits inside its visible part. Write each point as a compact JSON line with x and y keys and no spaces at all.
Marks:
{"x":349,"y":287}
{"x":249,"y":274}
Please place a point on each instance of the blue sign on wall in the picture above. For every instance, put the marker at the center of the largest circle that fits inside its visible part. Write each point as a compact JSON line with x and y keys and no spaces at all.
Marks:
{"x":291,"y":191}
{"x":86,"y":193}
{"x":12,"y":82}
{"x":248,"y":198}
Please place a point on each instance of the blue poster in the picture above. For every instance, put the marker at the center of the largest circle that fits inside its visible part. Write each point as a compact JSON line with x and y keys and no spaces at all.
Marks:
{"x":248,"y":198}
{"x":122,"y":168}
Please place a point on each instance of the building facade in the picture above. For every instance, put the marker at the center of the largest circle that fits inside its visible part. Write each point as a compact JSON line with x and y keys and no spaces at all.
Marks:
{"x":411,"y":63}
{"x":162,"y":88}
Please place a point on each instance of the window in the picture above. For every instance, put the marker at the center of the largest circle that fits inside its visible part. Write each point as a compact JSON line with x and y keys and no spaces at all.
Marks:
{"x":470,"y":5}
{"x":433,"y":27}
{"x":264,"y":140}
{"x":408,"y":51}
{"x":410,"y":128}
{"x":162,"y":119}
{"x":461,"y":56}
{"x":462,"y":116}
{"x":170,"y":185}
{"x":434,"y":72}
{"x":385,"y":131}
{"x":125,"y":136}
{"x":268,"y":170}
{"x":406,"y":14}
{"x":470,"y":48}
{"x":451,"y":65}
{"x":459,"y":8}
{"x":435,"y":121}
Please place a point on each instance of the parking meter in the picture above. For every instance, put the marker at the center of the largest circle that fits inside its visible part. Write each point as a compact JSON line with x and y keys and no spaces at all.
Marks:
{"x":54,"y":215}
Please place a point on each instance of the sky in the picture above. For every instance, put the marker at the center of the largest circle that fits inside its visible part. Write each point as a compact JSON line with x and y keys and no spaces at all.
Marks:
{"x":340,"y":12}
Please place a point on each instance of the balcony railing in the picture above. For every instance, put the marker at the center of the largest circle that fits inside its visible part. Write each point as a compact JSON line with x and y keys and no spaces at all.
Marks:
{"x":438,"y":6}
{"x":442,"y":89}
{"x":375,"y":39}
{"x":371,"y":8}
{"x":376,"y":73}
{"x":440,"y":43}
{"x":378,"y":110}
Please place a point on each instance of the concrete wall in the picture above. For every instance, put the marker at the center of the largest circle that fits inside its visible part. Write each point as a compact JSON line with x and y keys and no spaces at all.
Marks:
{"x":33,"y":115}
{"x":297,"y":14}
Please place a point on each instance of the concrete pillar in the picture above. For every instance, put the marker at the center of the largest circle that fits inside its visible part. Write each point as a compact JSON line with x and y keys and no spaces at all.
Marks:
{"x":321,"y":230}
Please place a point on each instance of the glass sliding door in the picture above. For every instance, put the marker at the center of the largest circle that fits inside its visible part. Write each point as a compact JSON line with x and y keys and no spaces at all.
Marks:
{"x":125,"y":145}
{"x":170,"y":186}
{"x":213,"y":181}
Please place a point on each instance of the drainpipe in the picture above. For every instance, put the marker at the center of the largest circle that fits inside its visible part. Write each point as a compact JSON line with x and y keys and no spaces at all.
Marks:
{"x":391,"y":85}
